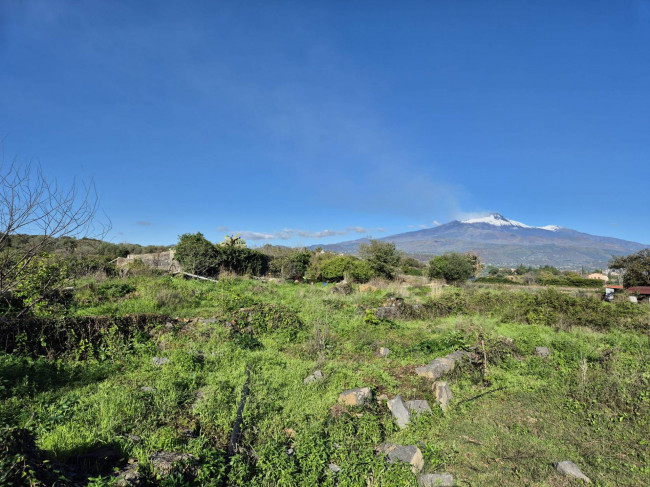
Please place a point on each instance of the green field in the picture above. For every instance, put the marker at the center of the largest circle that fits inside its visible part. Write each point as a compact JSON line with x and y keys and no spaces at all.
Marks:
{"x":513,"y":415}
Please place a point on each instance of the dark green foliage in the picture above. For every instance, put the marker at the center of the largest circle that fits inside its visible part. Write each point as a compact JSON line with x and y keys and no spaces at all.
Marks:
{"x":495,"y":280}
{"x":636,"y":268}
{"x":197,"y":255}
{"x":268,"y":318}
{"x":448,"y":342}
{"x":571,"y":280}
{"x":339,"y":267}
{"x":382,"y":257}
{"x":21,"y":462}
{"x":286,"y":262}
{"x":112,"y":290}
{"x":453,"y":267}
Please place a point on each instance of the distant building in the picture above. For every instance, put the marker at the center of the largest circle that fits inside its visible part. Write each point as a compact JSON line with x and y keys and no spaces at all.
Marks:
{"x":642,"y":293}
{"x":158,"y":260}
{"x":598,"y":275}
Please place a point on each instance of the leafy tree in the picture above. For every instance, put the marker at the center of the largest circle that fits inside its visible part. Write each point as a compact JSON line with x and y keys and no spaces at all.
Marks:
{"x":453,"y":267}
{"x":635,"y":267}
{"x":197,"y":255}
{"x":339,"y":267}
{"x":382,"y":257}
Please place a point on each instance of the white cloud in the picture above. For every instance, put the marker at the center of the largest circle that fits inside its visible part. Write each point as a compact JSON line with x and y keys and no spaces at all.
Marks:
{"x":381,"y":230}
{"x":222,"y":229}
{"x":436,"y":222}
{"x":422,"y":226}
{"x":288,"y":233}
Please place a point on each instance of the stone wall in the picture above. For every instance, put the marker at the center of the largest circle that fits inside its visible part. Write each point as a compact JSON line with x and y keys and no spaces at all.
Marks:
{"x":158,"y":260}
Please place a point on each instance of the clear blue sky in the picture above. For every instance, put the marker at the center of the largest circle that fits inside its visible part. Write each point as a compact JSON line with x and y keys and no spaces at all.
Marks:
{"x":286,"y":119}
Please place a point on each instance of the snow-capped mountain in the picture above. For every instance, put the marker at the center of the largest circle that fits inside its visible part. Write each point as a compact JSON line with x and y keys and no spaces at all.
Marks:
{"x":504,"y":242}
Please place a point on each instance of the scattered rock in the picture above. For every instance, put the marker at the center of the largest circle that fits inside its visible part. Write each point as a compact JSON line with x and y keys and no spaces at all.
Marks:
{"x":290,"y":432}
{"x":148,"y":389}
{"x":418,"y":406}
{"x":163,"y":462}
{"x":158,"y":361}
{"x":134,"y":438}
{"x":315,"y":377}
{"x":342,"y":287}
{"x":382,"y":397}
{"x":208,"y":321}
{"x":384,"y":352}
{"x":459,"y":355}
{"x":129,"y":476}
{"x":570,"y":469}
{"x":400,"y":412}
{"x":436,"y":480}
{"x":542,"y":352}
{"x":443,"y":394}
{"x":408,"y":454}
{"x":436,"y":369}
{"x":290,"y":451}
{"x":355,"y":397}
{"x":334,"y":468}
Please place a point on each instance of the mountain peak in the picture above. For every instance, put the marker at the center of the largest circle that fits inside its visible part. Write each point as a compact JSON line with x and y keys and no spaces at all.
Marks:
{"x":498,"y":220}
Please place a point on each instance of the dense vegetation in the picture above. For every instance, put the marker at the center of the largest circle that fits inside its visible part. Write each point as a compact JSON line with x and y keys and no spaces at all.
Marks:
{"x":63,"y":403}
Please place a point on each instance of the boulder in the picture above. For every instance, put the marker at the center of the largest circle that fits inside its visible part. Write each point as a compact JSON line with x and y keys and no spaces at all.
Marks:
{"x":459,"y":355}
{"x":148,"y":389}
{"x":163,"y":462}
{"x":129,"y":476}
{"x":570,"y":469}
{"x":400,"y":411}
{"x":334,"y":468}
{"x":159,"y":361}
{"x":355,"y":397}
{"x":315,"y":377}
{"x":418,"y":406}
{"x":384,"y":352}
{"x":408,"y":454}
{"x":436,"y":480}
{"x":542,"y":352}
{"x":436,"y":369}
{"x":442,"y":392}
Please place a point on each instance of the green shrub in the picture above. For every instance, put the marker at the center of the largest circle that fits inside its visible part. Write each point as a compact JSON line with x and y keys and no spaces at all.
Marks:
{"x":114,"y":290}
{"x":343,"y":266}
{"x":268,"y":318}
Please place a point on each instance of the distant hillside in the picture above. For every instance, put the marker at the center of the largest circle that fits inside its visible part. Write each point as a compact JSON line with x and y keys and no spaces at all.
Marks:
{"x":507,"y":243}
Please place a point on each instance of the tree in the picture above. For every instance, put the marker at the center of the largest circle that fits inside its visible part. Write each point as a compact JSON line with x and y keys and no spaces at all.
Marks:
{"x":635,"y":267}
{"x":382,"y":257}
{"x":454,"y":267}
{"x":197,"y":255}
{"x":30,"y":203}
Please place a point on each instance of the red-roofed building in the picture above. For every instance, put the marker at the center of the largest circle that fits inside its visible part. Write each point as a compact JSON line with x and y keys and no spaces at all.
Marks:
{"x":639,"y":293}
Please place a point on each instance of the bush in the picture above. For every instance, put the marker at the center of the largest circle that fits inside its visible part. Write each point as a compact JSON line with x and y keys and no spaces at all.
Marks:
{"x":267,"y":318}
{"x":453,"y":267}
{"x":113,"y":290}
{"x":338,"y":268}
{"x":382,"y":257}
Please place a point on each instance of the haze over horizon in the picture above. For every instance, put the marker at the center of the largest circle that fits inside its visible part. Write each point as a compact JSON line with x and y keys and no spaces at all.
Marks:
{"x":297,"y":123}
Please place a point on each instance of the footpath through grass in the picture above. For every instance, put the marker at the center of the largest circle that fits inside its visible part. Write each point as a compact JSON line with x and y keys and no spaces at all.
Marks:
{"x":588,"y":402}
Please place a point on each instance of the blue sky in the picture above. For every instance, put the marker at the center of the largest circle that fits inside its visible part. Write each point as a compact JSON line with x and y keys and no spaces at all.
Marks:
{"x":304,"y":122}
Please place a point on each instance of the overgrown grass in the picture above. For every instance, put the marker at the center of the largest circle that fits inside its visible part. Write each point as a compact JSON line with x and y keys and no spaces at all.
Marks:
{"x":587,"y":402}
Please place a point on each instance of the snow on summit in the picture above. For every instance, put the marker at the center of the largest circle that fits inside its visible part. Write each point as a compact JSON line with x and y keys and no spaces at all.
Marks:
{"x":500,"y":221}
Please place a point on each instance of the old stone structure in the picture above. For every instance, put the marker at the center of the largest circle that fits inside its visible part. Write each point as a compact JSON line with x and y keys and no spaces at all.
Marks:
{"x":158,"y":260}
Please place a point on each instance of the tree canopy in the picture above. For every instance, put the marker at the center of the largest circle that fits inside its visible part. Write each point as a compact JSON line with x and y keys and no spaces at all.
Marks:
{"x":635,"y":267}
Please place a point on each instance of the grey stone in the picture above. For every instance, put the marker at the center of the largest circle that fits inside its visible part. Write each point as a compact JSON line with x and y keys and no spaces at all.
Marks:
{"x":436,"y":369}
{"x":400,"y":412}
{"x":384,"y":352}
{"x":129,"y":476}
{"x":334,"y":468}
{"x":436,"y":480}
{"x":355,"y":397}
{"x":570,"y":469}
{"x":163,"y":462}
{"x":208,"y":321}
{"x":443,"y":394}
{"x":542,"y":352}
{"x":419,"y":406}
{"x":148,"y":389}
{"x":408,"y":454}
{"x":459,"y":355}
{"x":315,"y":377}
{"x":158,"y":361}
{"x":134,"y":438}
